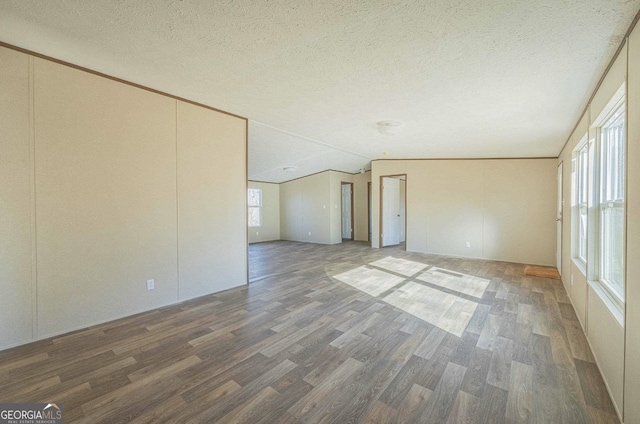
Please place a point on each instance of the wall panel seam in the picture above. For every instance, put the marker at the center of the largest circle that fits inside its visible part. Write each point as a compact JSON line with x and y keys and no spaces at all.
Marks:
{"x":32,"y":187}
{"x":177,"y":210}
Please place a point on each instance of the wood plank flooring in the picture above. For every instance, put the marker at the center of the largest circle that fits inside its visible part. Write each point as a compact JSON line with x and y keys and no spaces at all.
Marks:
{"x":298,"y":345}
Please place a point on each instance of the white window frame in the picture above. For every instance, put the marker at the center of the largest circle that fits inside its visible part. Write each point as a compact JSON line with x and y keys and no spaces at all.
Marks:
{"x":253,"y":205}
{"x":579,"y":203}
{"x":599,"y":204}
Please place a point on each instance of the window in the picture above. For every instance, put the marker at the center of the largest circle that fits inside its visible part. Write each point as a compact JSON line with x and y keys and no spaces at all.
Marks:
{"x":611,"y":204}
{"x":598,"y":204}
{"x":580,"y":205}
{"x":254,"y":202}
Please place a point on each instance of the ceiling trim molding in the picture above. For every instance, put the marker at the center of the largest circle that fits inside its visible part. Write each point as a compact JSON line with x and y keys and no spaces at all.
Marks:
{"x":120,"y":80}
{"x":316,"y":173}
{"x":321,"y":143}
{"x":624,"y":42}
{"x":261,"y":182}
{"x":514,"y":158}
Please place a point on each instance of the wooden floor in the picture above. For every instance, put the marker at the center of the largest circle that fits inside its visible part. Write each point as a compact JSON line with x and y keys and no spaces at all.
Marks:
{"x":298,"y":345}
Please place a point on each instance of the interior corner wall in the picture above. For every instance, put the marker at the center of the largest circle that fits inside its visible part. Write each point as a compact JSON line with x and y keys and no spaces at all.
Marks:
{"x":505,"y":208}
{"x":93,"y":171}
{"x":305,"y":209}
{"x":270,"y":228}
{"x":310,"y":207}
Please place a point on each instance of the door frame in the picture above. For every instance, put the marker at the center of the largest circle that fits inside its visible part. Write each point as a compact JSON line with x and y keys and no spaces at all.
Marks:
{"x":559,"y":216}
{"x":369,"y":212}
{"x":353,"y":230}
{"x":380,"y":227}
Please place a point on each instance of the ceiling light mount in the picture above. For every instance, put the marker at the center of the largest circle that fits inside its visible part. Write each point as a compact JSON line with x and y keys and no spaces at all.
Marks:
{"x":289,"y":169}
{"x":389,"y":127}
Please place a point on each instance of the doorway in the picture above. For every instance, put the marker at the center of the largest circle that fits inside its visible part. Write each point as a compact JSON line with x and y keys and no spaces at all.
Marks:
{"x":347,"y":210}
{"x":393,"y":209}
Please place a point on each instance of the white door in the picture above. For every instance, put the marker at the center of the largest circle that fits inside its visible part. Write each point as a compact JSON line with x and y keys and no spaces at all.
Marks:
{"x":346,"y":211}
{"x":390,"y":211}
{"x":559,"y":205}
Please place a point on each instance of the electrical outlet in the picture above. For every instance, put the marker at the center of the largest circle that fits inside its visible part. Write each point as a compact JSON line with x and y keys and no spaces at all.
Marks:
{"x":151,"y":284}
{"x":257,"y":233}
{"x":309,"y":232}
{"x":467,"y":244}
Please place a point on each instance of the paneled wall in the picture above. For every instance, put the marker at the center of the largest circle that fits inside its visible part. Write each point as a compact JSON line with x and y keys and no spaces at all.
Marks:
{"x":604,"y":332}
{"x":632,"y":321}
{"x":212,"y":243}
{"x":613,"y":339}
{"x":105,"y":186}
{"x":105,"y":173}
{"x":16,"y":203}
{"x":504,"y":208}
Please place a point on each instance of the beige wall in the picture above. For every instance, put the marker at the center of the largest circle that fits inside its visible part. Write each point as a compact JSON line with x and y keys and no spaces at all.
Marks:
{"x":498,"y":206}
{"x":305,"y":209}
{"x":16,"y":206}
{"x":614,"y":341}
{"x":105,"y":198}
{"x":632,"y":356}
{"x":270,"y":229}
{"x":520,"y":205}
{"x":211,"y":198}
{"x":125,"y":186}
{"x":313,"y":204}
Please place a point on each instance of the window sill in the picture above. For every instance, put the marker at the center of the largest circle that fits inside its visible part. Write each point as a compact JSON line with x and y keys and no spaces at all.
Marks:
{"x":609,"y":303}
{"x":582,"y":267}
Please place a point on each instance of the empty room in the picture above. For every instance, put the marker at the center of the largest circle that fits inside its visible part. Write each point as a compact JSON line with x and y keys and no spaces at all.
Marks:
{"x":304,"y":212}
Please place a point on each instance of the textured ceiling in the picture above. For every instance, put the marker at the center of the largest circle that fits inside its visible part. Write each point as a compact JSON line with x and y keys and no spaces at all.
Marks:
{"x":466,"y":78}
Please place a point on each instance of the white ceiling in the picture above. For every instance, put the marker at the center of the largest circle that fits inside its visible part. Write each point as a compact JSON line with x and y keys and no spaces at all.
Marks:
{"x":467,"y":78}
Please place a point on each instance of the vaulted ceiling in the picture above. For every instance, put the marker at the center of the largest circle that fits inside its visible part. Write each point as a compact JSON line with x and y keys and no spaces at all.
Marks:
{"x":465,"y":78}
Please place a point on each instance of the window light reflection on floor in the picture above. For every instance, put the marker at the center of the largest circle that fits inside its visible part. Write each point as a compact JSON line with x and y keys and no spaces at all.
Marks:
{"x":401,"y":283}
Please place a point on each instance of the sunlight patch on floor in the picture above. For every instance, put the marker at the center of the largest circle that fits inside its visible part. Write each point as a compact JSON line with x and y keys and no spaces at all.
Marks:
{"x":371,"y":281}
{"x":400,"y":266}
{"x":462,"y":283}
{"x":446,"y":311}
